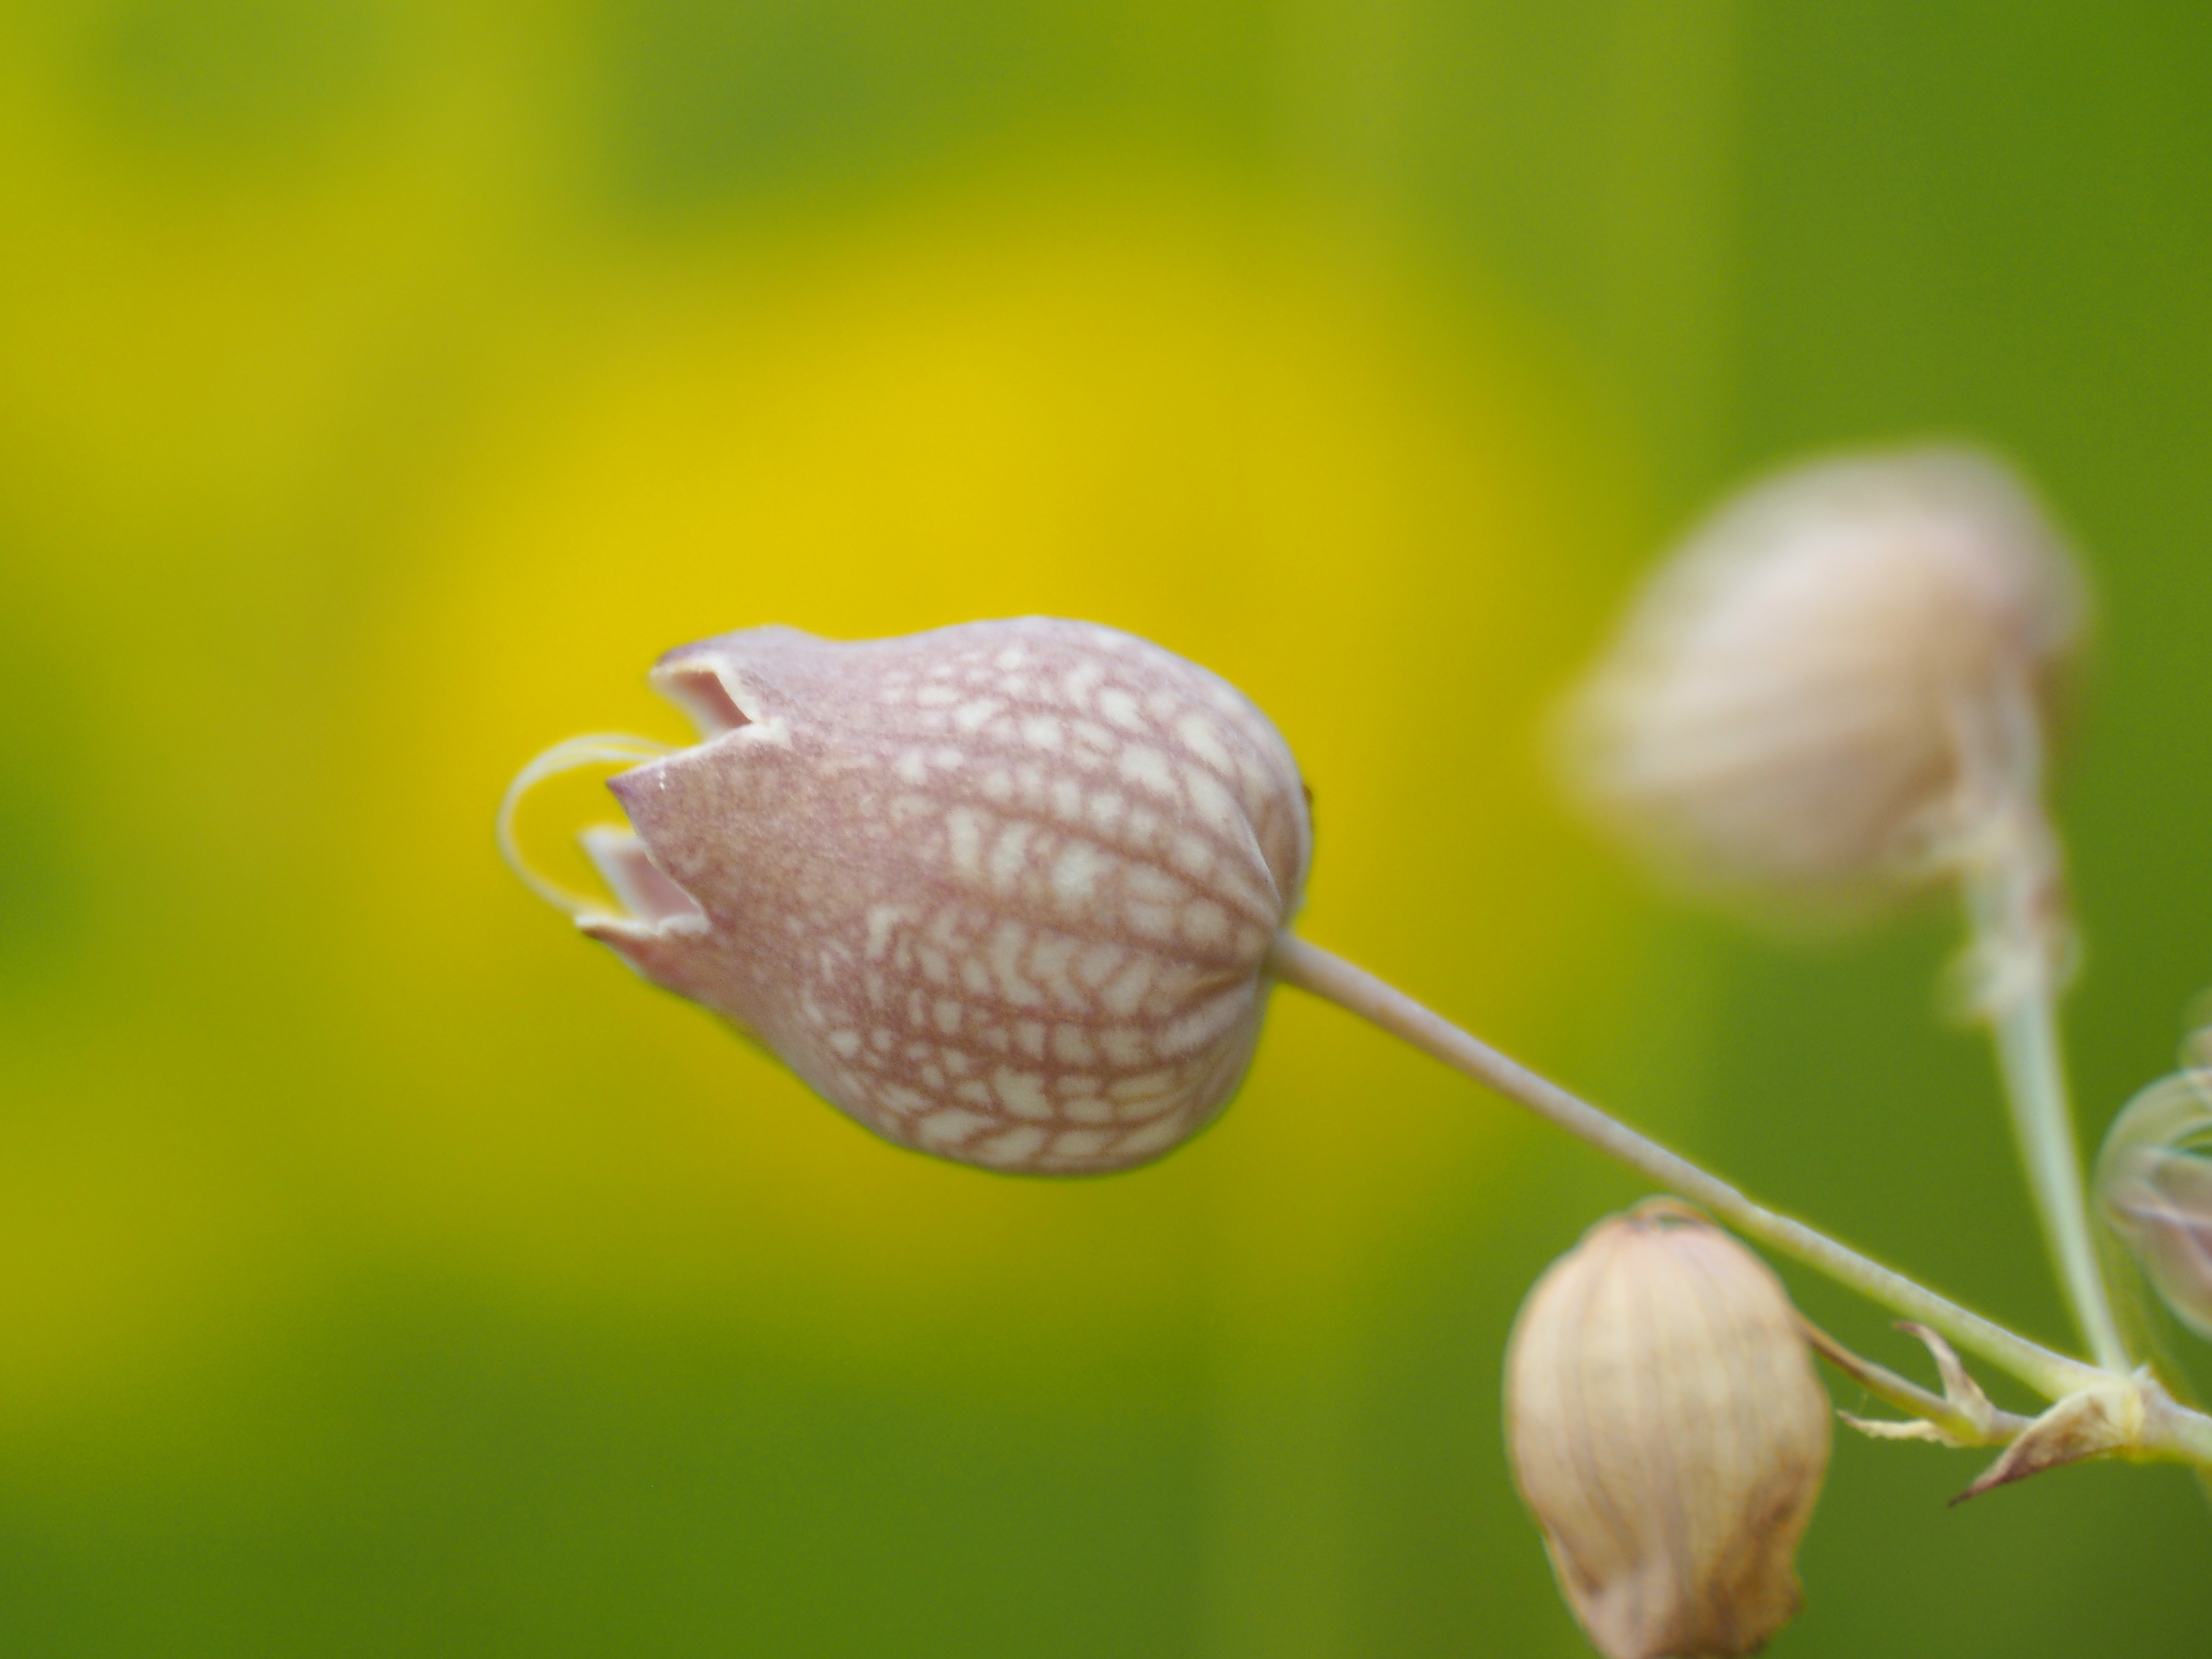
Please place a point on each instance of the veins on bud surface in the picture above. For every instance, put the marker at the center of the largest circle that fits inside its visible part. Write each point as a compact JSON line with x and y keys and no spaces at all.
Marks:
{"x":1002,"y":892}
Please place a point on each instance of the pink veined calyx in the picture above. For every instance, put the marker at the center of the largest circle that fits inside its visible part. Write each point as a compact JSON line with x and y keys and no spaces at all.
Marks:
{"x":1001,"y":892}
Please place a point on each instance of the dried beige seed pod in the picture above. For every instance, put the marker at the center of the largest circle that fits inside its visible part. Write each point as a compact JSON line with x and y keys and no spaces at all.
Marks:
{"x":1001,"y":892}
{"x":1822,"y":694}
{"x":1668,"y":1433}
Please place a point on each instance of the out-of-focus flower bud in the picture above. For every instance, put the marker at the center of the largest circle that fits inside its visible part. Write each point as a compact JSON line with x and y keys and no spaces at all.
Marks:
{"x":1001,"y":892}
{"x":2153,"y":1184}
{"x":1669,"y":1435}
{"x":1823,"y":697}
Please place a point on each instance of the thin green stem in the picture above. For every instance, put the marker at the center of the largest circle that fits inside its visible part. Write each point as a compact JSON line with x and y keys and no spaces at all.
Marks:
{"x":2011,"y":908}
{"x":1963,"y":1427}
{"x":1295,"y":961}
{"x":2012,"y":880}
{"x":2173,"y":1433}
{"x":2035,"y":1082}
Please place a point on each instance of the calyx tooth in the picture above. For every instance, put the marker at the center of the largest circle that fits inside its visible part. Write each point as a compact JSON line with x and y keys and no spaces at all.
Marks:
{"x":643,"y":888}
{"x":702,"y":690}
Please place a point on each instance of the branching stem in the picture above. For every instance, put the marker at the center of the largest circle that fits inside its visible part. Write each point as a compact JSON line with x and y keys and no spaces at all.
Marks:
{"x":1994,"y":1428}
{"x":1308,"y":966}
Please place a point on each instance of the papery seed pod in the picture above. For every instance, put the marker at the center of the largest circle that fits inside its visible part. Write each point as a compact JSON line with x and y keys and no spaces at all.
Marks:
{"x":1818,"y":696}
{"x":1669,"y":1435}
{"x":2153,"y":1184}
{"x":1001,"y":892}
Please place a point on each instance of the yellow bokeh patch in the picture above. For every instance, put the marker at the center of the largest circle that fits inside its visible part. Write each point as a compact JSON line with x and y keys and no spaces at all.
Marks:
{"x":1140,"y":407}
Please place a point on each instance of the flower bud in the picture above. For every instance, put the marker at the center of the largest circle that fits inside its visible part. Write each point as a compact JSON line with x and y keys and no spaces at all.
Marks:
{"x":1817,"y":697}
{"x":2153,"y":1184}
{"x":1001,"y":892}
{"x":1669,"y":1435}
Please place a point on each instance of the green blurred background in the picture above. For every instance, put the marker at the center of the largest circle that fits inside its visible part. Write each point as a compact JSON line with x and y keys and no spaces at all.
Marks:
{"x":382,"y":384}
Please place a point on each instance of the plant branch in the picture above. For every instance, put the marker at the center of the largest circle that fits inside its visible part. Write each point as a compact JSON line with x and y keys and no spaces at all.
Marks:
{"x":1970,"y":1421}
{"x":1308,"y":966}
{"x":2015,"y":913}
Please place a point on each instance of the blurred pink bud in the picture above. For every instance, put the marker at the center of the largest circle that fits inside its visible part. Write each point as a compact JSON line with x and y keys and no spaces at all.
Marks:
{"x":1824,"y":697}
{"x":1001,"y":892}
{"x":2153,"y":1184}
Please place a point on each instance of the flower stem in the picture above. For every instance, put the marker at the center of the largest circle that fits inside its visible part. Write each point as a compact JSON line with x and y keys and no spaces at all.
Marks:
{"x":2015,"y":914}
{"x":2012,"y":882}
{"x":1312,"y":969}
